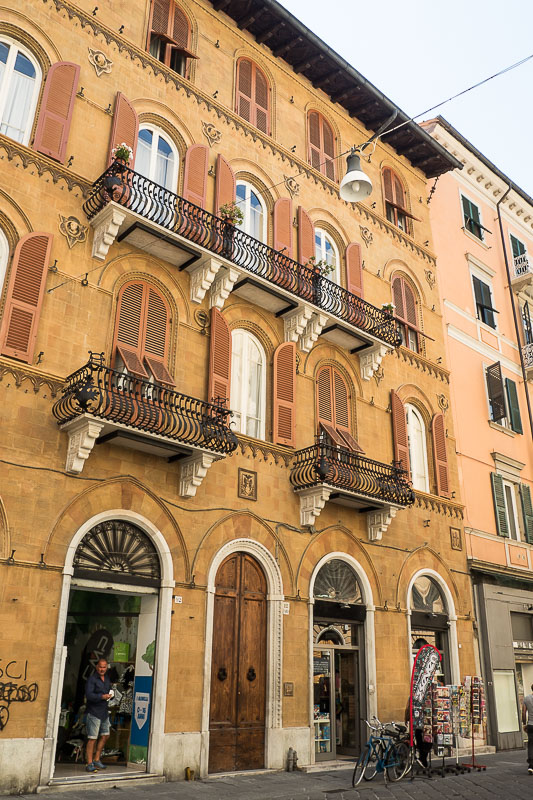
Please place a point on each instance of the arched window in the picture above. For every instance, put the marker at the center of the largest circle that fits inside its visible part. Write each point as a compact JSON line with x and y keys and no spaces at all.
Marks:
{"x":333,"y":407}
{"x":416,"y":434}
{"x":248,"y":384}
{"x":326,"y":250}
{"x":20,"y":81}
{"x":253,"y":95}
{"x":429,"y":621}
{"x":169,"y":38}
{"x":157,"y":158}
{"x":253,"y":208}
{"x":406,"y":313}
{"x":119,"y":551}
{"x":337,"y":581}
{"x":321,"y":144}
{"x":395,"y":200}
{"x":4,"y":257}
{"x":426,"y":595}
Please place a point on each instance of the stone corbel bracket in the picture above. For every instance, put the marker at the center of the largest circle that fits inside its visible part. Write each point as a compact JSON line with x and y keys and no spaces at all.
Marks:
{"x":371,"y":358}
{"x":312,"y":332}
{"x":106,"y":224}
{"x":222,"y":286}
{"x":202,"y":276}
{"x":312,"y":501}
{"x":192,"y":472}
{"x":82,"y":434}
{"x":295,"y":323}
{"x":377,"y":522}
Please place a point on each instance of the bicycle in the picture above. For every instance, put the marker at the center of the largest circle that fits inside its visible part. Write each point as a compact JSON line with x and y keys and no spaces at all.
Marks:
{"x":384,"y":752}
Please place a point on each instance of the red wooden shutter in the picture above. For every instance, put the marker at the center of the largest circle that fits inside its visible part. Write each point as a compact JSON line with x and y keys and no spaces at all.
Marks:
{"x":24,"y":297}
{"x":155,"y":335}
{"x":321,"y":145}
{"x":244,"y":89}
{"x":439,"y":455}
{"x":195,"y":177}
{"x":387,"y":185}
{"x":399,"y":428}
{"x":340,"y":401}
{"x":284,"y":393}
{"x":57,"y":106}
{"x":128,"y":329}
{"x":283,"y":226}
{"x":354,"y":269}
{"x":219,"y":358}
{"x":261,"y":95}
{"x":225,"y":186}
{"x":160,"y":17}
{"x":125,"y":127}
{"x":180,"y":28}
{"x":328,"y":158}
{"x":399,"y":194}
{"x":315,"y":151}
{"x":306,"y":236}
{"x":397,"y":296}
{"x":324,"y":386}
{"x":410,"y":305}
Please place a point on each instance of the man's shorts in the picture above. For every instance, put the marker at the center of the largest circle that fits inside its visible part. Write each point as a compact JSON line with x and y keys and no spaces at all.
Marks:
{"x":96,"y":727}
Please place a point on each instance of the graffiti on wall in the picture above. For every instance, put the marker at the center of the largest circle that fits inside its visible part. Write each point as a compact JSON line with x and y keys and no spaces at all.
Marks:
{"x":14,"y":687}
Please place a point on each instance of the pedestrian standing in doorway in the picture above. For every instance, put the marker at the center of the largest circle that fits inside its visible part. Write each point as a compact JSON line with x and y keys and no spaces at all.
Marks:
{"x":97,"y":691}
{"x":527,"y":720}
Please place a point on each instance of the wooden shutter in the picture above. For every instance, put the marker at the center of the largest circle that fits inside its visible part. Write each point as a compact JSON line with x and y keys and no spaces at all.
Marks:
{"x":160,"y":21}
{"x":354,"y":269}
{"x":514,"y":406}
{"x":324,"y":386}
{"x":57,"y":106}
{"x":225,"y":186}
{"x":306,"y":236}
{"x":527,"y":511}
{"x":498,"y":496}
{"x":328,"y":150}
{"x":219,"y":358}
{"x":284,"y":393}
{"x":128,"y":328}
{"x":283,"y":226}
{"x":439,"y":456}
{"x":261,"y":95}
{"x":155,"y":335}
{"x":24,"y":297}
{"x":387,"y":186}
{"x":180,"y":28}
{"x":195,"y":177}
{"x":333,"y":408}
{"x":315,"y":151}
{"x":340,"y":402}
{"x":495,"y":390}
{"x":244,"y":89}
{"x":125,"y":127}
{"x":410,"y":306}
{"x":397,"y":297}
{"x":399,"y":429}
{"x":253,"y":95}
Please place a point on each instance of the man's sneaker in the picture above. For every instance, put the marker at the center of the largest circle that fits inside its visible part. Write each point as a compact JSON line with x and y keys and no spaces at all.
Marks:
{"x":530,"y":770}
{"x":99,"y":765}
{"x":90,"y":767}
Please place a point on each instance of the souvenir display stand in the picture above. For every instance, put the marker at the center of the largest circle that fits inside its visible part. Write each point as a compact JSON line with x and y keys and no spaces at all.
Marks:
{"x":477,"y":714}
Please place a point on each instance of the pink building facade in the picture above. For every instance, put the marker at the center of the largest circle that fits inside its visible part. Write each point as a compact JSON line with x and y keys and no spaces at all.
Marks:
{"x":483,"y":233}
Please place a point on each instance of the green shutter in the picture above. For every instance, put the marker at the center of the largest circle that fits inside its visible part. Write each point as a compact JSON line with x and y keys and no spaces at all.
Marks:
{"x":517,"y":247}
{"x":499,"y":504}
{"x":527,"y":511}
{"x":514,"y":408}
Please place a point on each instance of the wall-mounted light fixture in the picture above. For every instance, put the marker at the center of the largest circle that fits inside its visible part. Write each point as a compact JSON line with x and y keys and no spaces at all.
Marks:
{"x":11,"y":559}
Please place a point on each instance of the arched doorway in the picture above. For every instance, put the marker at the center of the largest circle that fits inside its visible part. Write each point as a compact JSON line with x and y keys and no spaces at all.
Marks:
{"x":238,"y":666}
{"x":338,"y":661}
{"x":429,"y":621}
{"x":112,"y":614}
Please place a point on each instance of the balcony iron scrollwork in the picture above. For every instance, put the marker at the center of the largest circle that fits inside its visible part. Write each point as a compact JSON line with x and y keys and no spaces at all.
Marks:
{"x":324,"y":463}
{"x":173,"y":213}
{"x":151,"y":408}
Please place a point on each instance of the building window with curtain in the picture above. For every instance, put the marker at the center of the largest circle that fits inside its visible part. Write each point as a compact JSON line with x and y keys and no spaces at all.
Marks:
{"x":253,"y":95}
{"x":321,"y":144}
{"x":253,"y":208}
{"x":395,"y":201}
{"x":20,"y":82}
{"x":418,"y":458}
{"x":406,"y":313}
{"x":326,"y":252}
{"x":169,"y":36}
{"x":248,"y":384}
{"x":156,"y":158}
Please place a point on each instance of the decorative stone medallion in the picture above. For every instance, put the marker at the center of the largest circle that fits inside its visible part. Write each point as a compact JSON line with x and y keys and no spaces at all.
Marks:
{"x":430,"y":277}
{"x":291,"y":185}
{"x":72,"y":229}
{"x":455,"y":539}
{"x":443,"y":402}
{"x":247,"y":484}
{"x":101,"y":63}
{"x":366,"y":235}
{"x":211,"y":133}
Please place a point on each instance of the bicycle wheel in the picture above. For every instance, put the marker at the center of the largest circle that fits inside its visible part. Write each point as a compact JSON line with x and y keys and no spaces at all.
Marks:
{"x":373,"y":763}
{"x":360,"y":765}
{"x":397,"y":761}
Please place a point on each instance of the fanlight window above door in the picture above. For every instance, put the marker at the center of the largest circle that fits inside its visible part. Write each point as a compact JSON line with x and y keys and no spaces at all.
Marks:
{"x":427,"y":596}
{"x":120,"y":552}
{"x":337,"y":581}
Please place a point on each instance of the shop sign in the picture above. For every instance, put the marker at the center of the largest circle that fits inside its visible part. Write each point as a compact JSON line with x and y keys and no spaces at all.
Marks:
{"x":321,"y":666}
{"x":523,"y":645}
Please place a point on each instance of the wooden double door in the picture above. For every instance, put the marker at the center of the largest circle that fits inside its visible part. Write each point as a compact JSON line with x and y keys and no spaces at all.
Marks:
{"x":238,"y":671}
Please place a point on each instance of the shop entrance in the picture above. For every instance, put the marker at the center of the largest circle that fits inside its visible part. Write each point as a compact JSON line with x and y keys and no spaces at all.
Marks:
{"x":112,"y":614}
{"x":429,"y":622}
{"x":238,"y":670}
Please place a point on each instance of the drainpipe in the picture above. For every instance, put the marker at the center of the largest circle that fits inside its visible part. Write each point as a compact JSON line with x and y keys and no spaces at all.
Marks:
{"x":515,"y":318}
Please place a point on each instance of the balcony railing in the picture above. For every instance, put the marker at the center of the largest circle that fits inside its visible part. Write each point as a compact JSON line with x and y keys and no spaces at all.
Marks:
{"x":522,"y":267}
{"x":158,"y":205}
{"x":149,"y":407}
{"x":350,"y":472}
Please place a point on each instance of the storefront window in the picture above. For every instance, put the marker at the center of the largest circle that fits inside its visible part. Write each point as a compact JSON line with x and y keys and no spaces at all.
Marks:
{"x":426,"y":596}
{"x":337,"y":581}
{"x":505,"y":697}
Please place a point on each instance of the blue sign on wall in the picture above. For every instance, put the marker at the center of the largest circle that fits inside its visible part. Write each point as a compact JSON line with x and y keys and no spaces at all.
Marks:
{"x":140,"y":719}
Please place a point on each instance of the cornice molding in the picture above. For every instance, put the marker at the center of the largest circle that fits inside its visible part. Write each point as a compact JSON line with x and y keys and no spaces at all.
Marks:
{"x":421,"y":363}
{"x":22,"y":373}
{"x":439,"y":505}
{"x":406,"y":240}
{"x":266,"y":450}
{"x":42,"y":164}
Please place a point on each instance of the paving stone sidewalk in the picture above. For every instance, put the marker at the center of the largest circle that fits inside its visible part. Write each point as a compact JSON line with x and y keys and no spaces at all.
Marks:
{"x":506,"y":776}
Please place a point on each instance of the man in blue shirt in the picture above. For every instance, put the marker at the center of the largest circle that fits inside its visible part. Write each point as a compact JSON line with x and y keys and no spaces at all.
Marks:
{"x":97,"y":691}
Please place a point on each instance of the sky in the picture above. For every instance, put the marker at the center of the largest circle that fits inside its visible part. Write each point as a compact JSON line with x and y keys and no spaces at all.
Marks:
{"x":420,"y":52}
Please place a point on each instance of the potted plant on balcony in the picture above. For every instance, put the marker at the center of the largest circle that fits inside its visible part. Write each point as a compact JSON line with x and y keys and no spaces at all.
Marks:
{"x":388,"y":308}
{"x":116,"y":181}
{"x":320,"y":269}
{"x":231,"y":215}
{"x":122,"y":153}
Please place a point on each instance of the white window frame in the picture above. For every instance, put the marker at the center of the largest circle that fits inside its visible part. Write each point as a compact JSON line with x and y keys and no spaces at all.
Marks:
{"x":324,"y":236}
{"x":419,"y":472}
{"x":14,"y":47}
{"x":4,"y":259}
{"x":156,"y":131}
{"x":512,"y":513}
{"x":241,"y":406}
{"x":246,"y":209}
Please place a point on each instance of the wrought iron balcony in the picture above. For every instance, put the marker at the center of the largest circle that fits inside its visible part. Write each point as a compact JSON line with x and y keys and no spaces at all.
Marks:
{"x":522,"y":275}
{"x":100,"y":404}
{"x":326,"y":472}
{"x":142,"y":212}
{"x":527,"y":354}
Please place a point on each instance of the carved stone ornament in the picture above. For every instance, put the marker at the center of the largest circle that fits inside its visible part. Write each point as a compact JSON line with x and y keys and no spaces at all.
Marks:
{"x":377,"y":522}
{"x":295,"y":323}
{"x":291,"y":185}
{"x":82,"y":434}
{"x":221,"y":287}
{"x":73,"y":230}
{"x":106,"y":225}
{"x":366,"y":235}
{"x":430,"y":277}
{"x":247,"y":484}
{"x":379,"y":374}
{"x":312,"y":501}
{"x":371,"y":358}
{"x":211,"y":133}
{"x":312,"y":331}
{"x":101,"y":63}
{"x":192,"y":472}
{"x":202,"y":276}
{"x":443,"y":402}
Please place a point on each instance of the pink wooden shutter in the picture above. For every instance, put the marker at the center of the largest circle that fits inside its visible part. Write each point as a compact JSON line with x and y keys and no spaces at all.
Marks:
{"x":131,"y":311}
{"x":306,"y":236}
{"x":387,"y":185}
{"x":283,"y":226}
{"x":397,"y":297}
{"x":57,"y":106}
{"x":439,"y":455}
{"x":160,"y":17}
{"x":399,"y":428}
{"x":219,"y":358}
{"x":261,"y":96}
{"x":244,"y":89}
{"x":284,"y":393}
{"x":155,"y":335}
{"x":315,"y":150}
{"x":195,"y":177}
{"x":328,"y":159}
{"x":125,"y":127}
{"x":225,"y":186}
{"x":354,"y":269}
{"x":24,"y":297}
